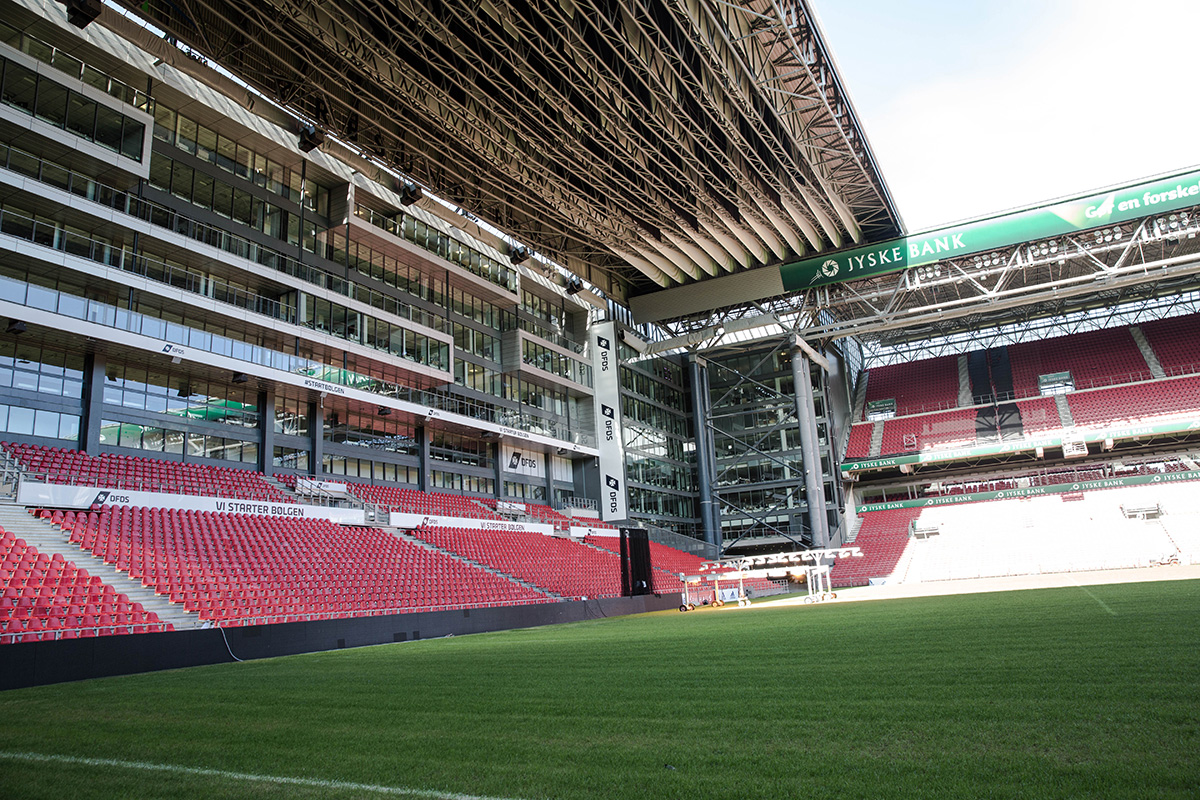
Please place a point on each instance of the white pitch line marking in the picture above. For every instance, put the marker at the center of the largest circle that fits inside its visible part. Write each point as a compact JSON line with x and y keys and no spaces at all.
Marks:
{"x":314,"y":783}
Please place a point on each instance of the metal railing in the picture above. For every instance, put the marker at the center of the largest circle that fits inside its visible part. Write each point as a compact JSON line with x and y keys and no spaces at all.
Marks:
{"x":126,"y":202}
{"x":81,"y":631}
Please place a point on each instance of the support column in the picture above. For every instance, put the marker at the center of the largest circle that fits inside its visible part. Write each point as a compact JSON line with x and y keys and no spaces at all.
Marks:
{"x":423,"y":453}
{"x":316,"y":425}
{"x":710,"y":516}
{"x":814,"y":492}
{"x":94,"y":365}
{"x":266,"y":432}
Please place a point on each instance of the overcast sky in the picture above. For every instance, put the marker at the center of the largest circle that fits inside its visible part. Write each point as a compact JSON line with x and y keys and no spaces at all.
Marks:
{"x":976,"y":107}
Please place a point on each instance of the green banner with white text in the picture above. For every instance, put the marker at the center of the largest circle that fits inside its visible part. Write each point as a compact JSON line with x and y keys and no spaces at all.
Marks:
{"x":1034,"y":491}
{"x":1000,"y":448}
{"x":1094,"y":211}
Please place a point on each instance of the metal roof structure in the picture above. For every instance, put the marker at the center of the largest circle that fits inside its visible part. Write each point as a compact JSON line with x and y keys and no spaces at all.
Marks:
{"x":639,"y":143}
{"x":1095,"y":263}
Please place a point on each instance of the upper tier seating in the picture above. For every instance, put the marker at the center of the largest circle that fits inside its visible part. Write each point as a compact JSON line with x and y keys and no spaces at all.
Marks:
{"x":567,"y":568}
{"x":119,"y":471}
{"x":1176,"y":342}
{"x":882,"y":539}
{"x":1125,"y":405}
{"x":47,"y":597}
{"x":931,"y":383}
{"x":236,"y":569}
{"x":948,"y":429}
{"x":1094,"y":358}
{"x":1039,"y":415}
{"x":414,"y":501}
{"x":859,"y":445}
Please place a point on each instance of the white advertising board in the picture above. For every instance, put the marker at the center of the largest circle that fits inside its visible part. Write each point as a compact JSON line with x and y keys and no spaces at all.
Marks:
{"x":310,"y":486}
{"x":523,"y":461}
{"x":398,"y":519}
{"x":51,"y":495}
{"x":613,"y":503}
{"x":580,"y":532}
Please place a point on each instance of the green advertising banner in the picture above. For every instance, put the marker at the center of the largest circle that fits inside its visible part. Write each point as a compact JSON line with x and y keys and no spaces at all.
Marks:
{"x":960,"y":453}
{"x":1034,"y":491}
{"x":1094,"y":211}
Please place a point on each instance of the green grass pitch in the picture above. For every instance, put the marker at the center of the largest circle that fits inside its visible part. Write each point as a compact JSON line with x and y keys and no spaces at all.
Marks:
{"x":1078,"y":692}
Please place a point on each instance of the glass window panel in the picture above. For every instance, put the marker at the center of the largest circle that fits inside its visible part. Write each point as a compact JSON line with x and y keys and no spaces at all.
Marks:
{"x":81,"y":116}
{"x":52,"y":103}
{"x":133,"y":135}
{"x":20,"y":420}
{"x":109,"y":126}
{"x":20,"y":87}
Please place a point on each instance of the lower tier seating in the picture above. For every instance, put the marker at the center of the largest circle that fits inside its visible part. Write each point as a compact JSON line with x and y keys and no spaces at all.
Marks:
{"x":235,"y":569}
{"x":564,"y":567}
{"x":669,"y":563}
{"x":47,"y":597}
{"x":882,"y":539}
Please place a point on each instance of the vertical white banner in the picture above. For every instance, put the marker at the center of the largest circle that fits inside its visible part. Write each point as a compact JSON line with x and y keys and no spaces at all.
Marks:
{"x":605,"y":367}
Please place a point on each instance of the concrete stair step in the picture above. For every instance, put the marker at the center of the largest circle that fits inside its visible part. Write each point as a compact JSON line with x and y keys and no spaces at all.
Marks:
{"x":50,"y":539}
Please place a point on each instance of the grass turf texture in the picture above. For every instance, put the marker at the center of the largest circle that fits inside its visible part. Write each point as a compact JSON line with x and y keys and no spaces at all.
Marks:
{"x":1081,"y":692}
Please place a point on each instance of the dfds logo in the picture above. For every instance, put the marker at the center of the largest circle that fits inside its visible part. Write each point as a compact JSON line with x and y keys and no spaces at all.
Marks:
{"x":614,"y":486}
{"x":603,"y":343}
{"x":516,"y":462}
{"x":610,"y":428}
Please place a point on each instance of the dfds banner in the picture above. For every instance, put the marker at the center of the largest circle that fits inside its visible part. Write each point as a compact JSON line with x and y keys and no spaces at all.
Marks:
{"x":613,"y":504}
{"x":523,"y":461}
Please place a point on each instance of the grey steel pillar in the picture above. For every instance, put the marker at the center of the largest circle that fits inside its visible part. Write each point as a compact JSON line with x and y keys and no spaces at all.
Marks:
{"x":94,"y":365}
{"x":266,"y":432}
{"x":814,"y":492}
{"x":710,"y":517}
{"x":316,"y":427}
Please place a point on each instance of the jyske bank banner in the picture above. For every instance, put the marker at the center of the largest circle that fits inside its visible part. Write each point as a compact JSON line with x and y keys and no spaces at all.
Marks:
{"x":1118,"y":205}
{"x":613,"y":504}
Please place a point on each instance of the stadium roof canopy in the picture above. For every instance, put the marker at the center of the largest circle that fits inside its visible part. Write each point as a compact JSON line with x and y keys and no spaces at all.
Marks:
{"x":638,"y":143}
{"x":1126,"y":247}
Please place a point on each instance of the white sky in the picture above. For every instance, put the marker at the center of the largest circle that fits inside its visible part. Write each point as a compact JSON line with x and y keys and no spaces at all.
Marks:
{"x":975,"y":107}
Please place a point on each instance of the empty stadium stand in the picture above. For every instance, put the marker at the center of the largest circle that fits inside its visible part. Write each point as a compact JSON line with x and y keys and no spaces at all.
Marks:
{"x":48,"y":597}
{"x":236,"y":569}
{"x":414,"y":501}
{"x":566,"y":568}
{"x":916,"y":386}
{"x":1094,"y":358}
{"x":1114,"y":382}
{"x":1176,"y":343}
{"x":882,"y":539}
{"x":1127,"y":405}
{"x":118,"y":471}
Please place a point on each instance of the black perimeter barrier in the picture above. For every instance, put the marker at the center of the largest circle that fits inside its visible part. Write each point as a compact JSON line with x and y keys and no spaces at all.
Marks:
{"x":39,"y":663}
{"x":637,"y":576}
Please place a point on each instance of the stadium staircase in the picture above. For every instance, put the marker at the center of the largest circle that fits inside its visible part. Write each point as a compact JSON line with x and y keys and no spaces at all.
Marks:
{"x":1064,"y":411}
{"x":876,"y":439}
{"x":1143,"y":344}
{"x":50,"y":539}
{"x":964,"y":381}
{"x":860,"y":396}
